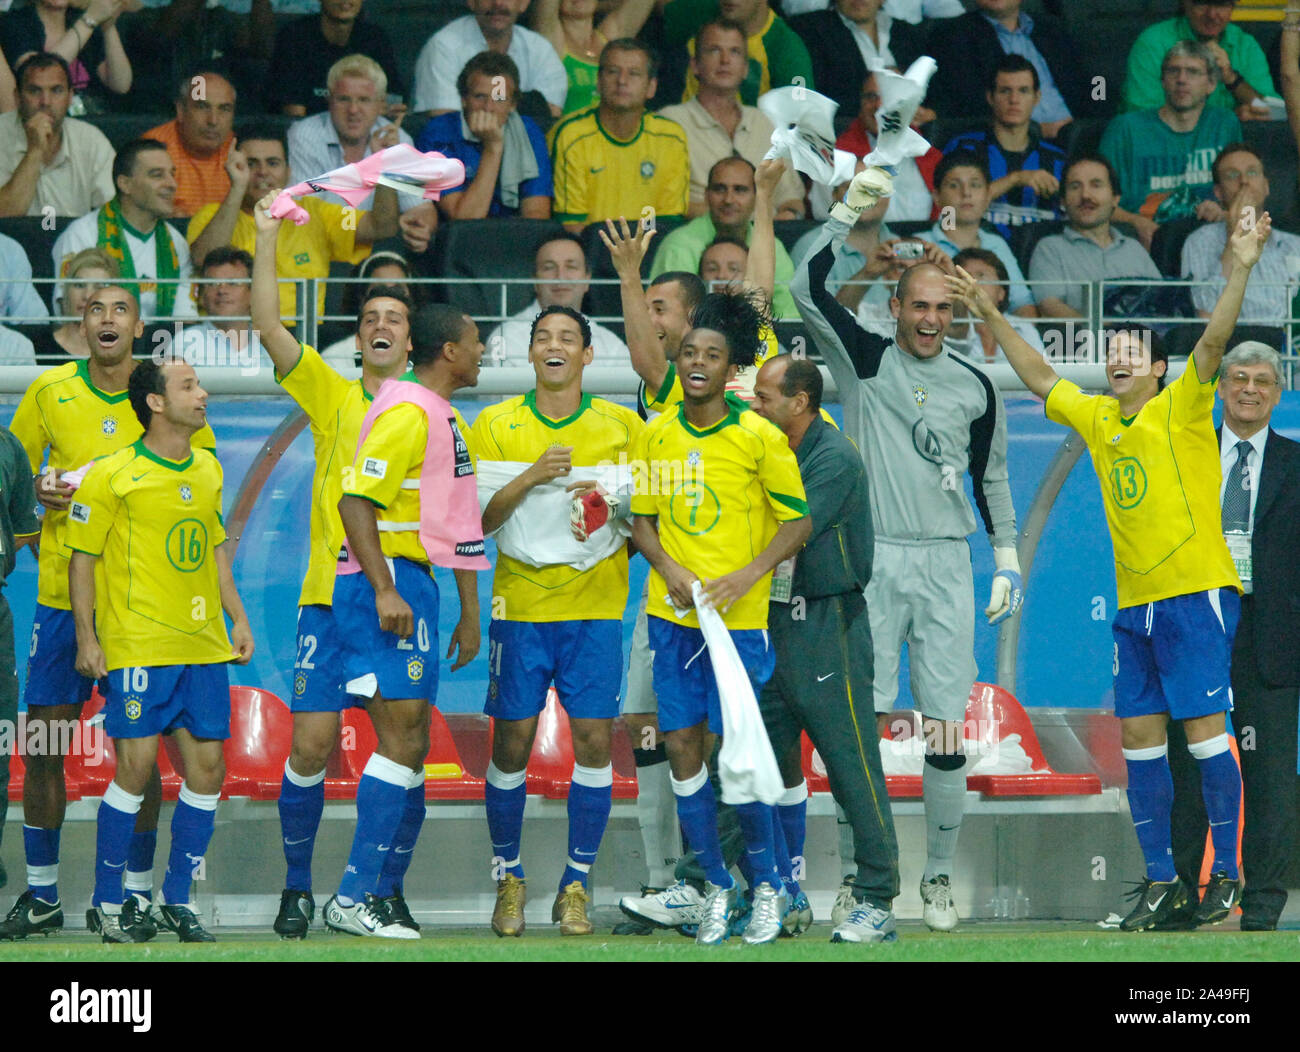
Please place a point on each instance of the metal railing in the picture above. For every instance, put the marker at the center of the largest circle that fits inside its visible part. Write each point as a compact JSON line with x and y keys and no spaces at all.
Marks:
{"x":1083,"y":363}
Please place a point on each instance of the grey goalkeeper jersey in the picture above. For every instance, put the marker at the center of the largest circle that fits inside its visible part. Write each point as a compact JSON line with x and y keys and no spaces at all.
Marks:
{"x":920,"y":424}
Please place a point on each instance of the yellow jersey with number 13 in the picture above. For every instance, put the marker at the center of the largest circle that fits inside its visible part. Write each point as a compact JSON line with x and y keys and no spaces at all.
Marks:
{"x":155,"y":525}
{"x":1159,"y":472}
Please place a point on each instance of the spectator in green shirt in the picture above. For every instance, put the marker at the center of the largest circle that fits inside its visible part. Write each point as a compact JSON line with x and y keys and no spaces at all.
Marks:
{"x":731,"y":196}
{"x":1165,"y":157}
{"x":1242,"y":67}
{"x":777,"y":56}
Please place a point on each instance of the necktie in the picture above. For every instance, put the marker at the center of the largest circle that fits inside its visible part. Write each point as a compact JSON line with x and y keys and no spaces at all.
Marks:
{"x":1236,"y":497}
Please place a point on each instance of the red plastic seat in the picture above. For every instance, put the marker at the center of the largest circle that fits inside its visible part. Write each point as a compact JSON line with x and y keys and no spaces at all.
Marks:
{"x":18,"y":766}
{"x":17,"y":775}
{"x":358,"y":743}
{"x":261,"y":733}
{"x":995,"y":715}
{"x":899,"y":786}
{"x":991,"y":715}
{"x":91,"y":764}
{"x":550,"y":765}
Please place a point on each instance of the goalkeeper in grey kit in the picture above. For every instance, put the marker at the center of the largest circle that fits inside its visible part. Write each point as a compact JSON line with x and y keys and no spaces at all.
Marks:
{"x":921,"y":417}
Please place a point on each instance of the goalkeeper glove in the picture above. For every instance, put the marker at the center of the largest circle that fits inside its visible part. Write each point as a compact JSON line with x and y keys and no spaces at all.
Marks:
{"x":867,"y":187}
{"x":591,"y":511}
{"x":1008,"y":587}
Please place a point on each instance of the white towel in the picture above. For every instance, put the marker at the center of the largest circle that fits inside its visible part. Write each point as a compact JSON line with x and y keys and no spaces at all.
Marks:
{"x":538,"y":532}
{"x":747,"y":766}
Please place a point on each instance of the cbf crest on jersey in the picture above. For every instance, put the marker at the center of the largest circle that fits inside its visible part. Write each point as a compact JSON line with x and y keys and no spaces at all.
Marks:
{"x":187,"y":494}
{"x":647,"y":169}
{"x":694,"y":457}
{"x":920,"y":394}
{"x":109,"y":425}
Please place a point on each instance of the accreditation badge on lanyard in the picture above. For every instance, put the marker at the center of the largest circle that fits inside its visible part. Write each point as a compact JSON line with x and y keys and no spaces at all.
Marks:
{"x":783,"y":581}
{"x":1239,"y":549}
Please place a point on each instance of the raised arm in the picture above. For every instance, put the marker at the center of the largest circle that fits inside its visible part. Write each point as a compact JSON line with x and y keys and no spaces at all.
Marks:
{"x":850,"y":352}
{"x":221,"y":227}
{"x":279,"y":342}
{"x":627,"y":250}
{"x":1290,"y":71}
{"x":1030,"y":366}
{"x":546,"y":22}
{"x":381,"y":221}
{"x":626,"y":19}
{"x":1247,"y":243}
{"x":760,"y":270}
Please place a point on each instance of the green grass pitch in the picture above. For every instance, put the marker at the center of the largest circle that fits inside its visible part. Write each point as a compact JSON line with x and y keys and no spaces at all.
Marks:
{"x":974,"y":942}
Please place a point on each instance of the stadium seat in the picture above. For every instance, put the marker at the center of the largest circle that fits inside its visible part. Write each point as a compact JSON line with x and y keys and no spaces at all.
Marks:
{"x":1083,"y":135}
{"x":38,"y":244}
{"x":261,"y":733}
{"x":550,"y":766}
{"x":446,"y":777}
{"x":1272,"y":141}
{"x":1181,"y":339}
{"x":996,"y":715}
{"x":1025,"y":237}
{"x":17,"y":775}
{"x":1167,"y":245}
{"x":789,"y":231}
{"x":468,"y":249}
{"x":992,"y":714}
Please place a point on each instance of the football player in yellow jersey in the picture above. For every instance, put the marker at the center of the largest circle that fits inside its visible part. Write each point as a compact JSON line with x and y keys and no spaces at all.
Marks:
{"x":335,"y":407}
{"x":145,"y":531}
{"x":732,"y":510}
{"x":1157,"y":457}
{"x":656,"y":321}
{"x":554,"y":619}
{"x":409,"y":503}
{"x":79,"y":412}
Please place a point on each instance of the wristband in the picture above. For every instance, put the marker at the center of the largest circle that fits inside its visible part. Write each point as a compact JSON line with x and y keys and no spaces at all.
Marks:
{"x":1235,"y":84}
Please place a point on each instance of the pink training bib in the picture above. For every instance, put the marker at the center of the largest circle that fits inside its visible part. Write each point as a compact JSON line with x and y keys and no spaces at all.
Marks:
{"x":450,"y":526}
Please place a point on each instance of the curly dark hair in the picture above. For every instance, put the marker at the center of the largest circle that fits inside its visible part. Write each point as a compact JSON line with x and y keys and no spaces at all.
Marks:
{"x":741,"y":316}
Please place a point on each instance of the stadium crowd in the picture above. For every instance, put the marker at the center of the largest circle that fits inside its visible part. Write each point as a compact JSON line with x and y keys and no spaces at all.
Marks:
{"x":1042,"y":183}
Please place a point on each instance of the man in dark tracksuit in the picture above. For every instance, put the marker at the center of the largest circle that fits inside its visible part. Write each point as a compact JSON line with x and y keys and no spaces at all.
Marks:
{"x":18,"y":526}
{"x":822,"y":637}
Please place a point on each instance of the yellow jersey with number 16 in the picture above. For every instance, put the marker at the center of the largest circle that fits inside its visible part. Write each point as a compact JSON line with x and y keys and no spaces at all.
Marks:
{"x":78,"y":423}
{"x":155,"y":525}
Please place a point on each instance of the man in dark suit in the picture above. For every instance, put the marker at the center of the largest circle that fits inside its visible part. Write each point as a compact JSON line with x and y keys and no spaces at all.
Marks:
{"x":1261,"y":519}
{"x":967,"y":49}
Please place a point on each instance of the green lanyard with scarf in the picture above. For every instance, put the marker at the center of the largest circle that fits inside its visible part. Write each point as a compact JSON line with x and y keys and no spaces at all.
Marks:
{"x":112,"y":239}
